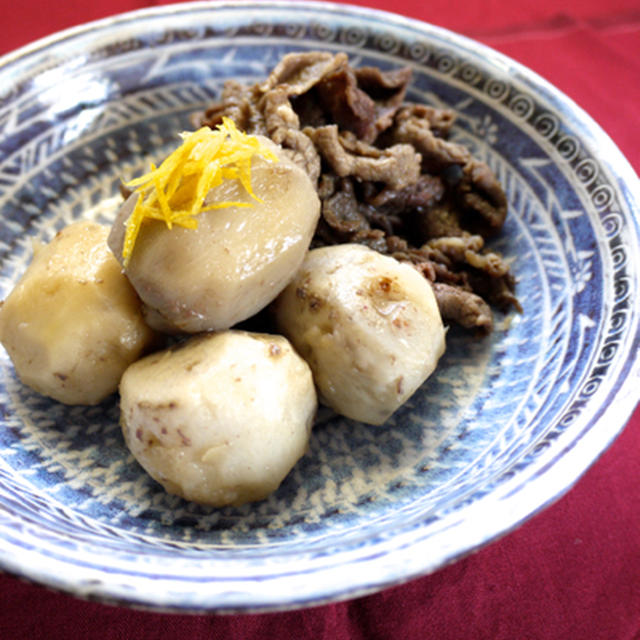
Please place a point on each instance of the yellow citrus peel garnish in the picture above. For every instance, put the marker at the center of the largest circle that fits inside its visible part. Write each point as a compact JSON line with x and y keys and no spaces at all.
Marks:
{"x":176,"y":190}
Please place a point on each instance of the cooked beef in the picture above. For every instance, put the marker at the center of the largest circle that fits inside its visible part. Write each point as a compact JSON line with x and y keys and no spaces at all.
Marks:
{"x":350,"y":108}
{"x":386,"y":173}
{"x":438,"y":221}
{"x":474,"y":189}
{"x":373,"y":238}
{"x":278,"y":113}
{"x":485,"y":272}
{"x":298,"y":72}
{"x":309,"y":110}
{"x":283,"y":127}
{"x":267,"y":109}
{"x":439,"y":120}
{"x":463,"y":307}
{"x":482,"y":198}
{"x":497,"y":291}
{"x":421,"y":195}
{"x":363,"y":101}
{"x":413,"y":126}
{"x":396,"y":166}
{"x":464,"y":250}
{"x":238,"y":102}
{"x":341,"y":211}
{"x":387,"y":89}
{"x":302,"y":151}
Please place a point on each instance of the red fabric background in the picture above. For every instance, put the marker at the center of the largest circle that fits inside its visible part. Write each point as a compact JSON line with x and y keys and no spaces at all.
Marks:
{"x":572,"y":571}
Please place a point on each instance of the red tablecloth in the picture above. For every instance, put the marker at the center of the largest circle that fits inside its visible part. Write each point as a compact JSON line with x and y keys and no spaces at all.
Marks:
{"x":571,"y":572}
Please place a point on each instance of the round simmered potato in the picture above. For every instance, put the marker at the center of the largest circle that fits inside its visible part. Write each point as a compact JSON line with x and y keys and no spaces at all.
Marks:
{"x":222,"y":418}
{"x":368,"y":326}
{"x":235,"y":262}
{"x":73,"y":323}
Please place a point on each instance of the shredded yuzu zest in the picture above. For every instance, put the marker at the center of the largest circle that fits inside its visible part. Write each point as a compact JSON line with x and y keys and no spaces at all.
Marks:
{"x":176,"y":190}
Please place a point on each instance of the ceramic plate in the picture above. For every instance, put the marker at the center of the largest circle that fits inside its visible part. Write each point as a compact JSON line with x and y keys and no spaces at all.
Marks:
{"x":505,"y":426}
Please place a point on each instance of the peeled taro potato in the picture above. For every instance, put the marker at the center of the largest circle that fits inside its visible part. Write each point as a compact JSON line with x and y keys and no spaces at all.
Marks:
{"x":368,"y":326}
{"x":220,"y":419}
{"x":235,"y":262}
{"x":73,"y":324}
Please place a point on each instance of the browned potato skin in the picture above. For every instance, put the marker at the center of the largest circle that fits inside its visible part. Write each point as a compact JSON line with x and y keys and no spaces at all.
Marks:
{"x":73,"y":323}
{"x":235,"y":262}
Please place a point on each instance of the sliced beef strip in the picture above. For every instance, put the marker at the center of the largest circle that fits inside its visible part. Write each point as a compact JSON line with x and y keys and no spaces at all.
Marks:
{"x":396,"y":166}
{"x":468,"y":250}
{"x":350,"y":108}
{"x":341,"y":211}
{"x":283,"y":127}
{"x":298,"y":72}
{"x":387,"y":89}
{"x":302,"y":151}
{"x":485,"y":272}
{"x":412,"y":126}
{"x":363,"y":101}
{"x":463,"y":307}
{"x":237,"y":102}
{"x":482,"y":199}
{"x":499,"y":292}
{"x":439,"y":120}
{"x":277,"y":113}
{"x":345,"y":212}
{"x":423,"y":194}
{"x":327,"y":185}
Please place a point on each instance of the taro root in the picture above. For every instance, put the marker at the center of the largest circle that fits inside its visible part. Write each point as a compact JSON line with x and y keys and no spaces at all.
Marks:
{"x":73,"y":323}
{"x":368,"y":326}
{"x":220,"y":419}
{"x":242,"y":245}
